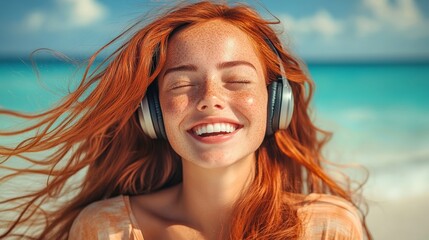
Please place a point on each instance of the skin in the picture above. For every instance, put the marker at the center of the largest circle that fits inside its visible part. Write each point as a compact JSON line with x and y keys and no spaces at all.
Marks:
{"x":212,"y":74}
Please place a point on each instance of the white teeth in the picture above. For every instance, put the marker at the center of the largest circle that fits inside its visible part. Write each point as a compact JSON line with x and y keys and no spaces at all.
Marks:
{"x":217,"y":127}
{"x":210,"y":128}
{"x":214,"y":128}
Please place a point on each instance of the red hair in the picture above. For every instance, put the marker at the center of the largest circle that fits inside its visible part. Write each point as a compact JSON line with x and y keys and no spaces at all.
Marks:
{"x":95,"y":129}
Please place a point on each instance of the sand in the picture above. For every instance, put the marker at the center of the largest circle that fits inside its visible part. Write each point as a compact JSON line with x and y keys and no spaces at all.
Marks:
{"x":407,"y":218}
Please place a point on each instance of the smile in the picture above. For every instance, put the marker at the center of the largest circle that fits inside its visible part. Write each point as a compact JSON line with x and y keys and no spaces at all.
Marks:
{"x":213,"y":129}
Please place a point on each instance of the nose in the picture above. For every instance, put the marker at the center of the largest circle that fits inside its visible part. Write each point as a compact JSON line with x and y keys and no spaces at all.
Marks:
{"x":210,"y":97}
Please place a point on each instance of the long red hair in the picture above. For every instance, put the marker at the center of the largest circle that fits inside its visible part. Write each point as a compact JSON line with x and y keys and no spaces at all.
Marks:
{"x":95,"y":130}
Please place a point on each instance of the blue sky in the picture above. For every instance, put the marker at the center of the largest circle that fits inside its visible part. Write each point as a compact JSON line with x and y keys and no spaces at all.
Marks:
{"x":314,"y":29}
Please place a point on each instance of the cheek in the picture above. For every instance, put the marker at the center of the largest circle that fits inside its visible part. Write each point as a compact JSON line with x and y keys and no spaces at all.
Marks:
{"x":173,"y":112}
{"x":174,"y":106}
{"x":255,"y":106}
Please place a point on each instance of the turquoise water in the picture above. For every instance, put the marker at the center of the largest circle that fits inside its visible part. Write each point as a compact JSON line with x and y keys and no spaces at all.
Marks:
{"x":24,"y":88}
{"x":380,"y":118}
{"x":378,"y":112}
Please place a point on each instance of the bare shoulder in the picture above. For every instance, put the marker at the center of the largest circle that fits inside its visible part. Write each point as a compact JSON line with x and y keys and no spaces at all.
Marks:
{"x":100,"y":218}
{"x":105,"y":206}
{"x":324,"y":203}
{"x":327,"y":215}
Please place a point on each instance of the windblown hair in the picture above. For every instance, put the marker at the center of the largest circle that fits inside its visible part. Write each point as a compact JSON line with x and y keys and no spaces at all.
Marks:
{"x":95,"y":130}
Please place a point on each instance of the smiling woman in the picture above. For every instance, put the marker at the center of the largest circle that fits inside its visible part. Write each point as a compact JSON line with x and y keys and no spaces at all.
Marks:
{"x":191,"y":131}
{"x":229,"y":88}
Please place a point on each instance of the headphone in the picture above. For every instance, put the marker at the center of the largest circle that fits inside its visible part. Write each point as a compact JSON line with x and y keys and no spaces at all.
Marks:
{"x":280,"y":105}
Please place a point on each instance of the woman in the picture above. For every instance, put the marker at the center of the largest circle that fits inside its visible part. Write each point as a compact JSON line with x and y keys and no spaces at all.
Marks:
{"x":202,"y":156}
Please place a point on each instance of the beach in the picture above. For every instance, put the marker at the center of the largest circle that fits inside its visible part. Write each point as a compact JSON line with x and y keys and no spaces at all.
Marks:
{"x":405,"y":218}
{"x":377,"y":112}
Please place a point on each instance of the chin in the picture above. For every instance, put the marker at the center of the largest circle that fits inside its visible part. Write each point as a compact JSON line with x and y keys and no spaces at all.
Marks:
{"x":219,"y":160}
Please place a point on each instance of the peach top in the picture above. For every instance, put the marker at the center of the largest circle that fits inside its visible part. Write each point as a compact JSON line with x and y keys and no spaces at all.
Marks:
{"x":324,"y":217}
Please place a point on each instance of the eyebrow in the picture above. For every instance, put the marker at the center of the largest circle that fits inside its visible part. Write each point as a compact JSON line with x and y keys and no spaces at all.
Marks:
{"x":234,"y":64}
{"x":193,"y":68}
{"x":181,"y":68}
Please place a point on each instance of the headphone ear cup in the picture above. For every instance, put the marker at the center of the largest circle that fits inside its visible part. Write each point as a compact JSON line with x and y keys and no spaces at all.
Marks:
{"x":280,"y":106}
{"x":150,"y":114}
{"x":277,"y":108}
{"x":156,"y":114}
{"x":272,"y":96}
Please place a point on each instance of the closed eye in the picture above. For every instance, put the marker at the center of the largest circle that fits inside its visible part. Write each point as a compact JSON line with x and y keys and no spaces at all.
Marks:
{"x":181,"y":86}
{"x":240,"y":84}
{"x":239,"y":81}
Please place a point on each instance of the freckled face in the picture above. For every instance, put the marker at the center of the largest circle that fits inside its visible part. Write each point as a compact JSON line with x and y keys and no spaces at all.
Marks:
{"x":213,"y":95}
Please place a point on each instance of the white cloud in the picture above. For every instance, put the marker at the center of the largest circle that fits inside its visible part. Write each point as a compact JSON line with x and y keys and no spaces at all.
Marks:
{"x":35,"y":20}
{"x":66,"y":14}
{"x":365,"y":25}
{"x":322,"y":23}
{"x":399,"y":16}
{"x":85,"y":12}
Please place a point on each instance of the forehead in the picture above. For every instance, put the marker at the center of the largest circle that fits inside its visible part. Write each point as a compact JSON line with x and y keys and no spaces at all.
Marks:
{"x":215,"y":38}
{"x":213,"y":29}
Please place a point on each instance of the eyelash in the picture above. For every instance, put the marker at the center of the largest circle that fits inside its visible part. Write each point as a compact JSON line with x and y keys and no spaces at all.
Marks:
{"x":184,"y":85}
{"x":240,"y":81}
{"x":180,"y":85}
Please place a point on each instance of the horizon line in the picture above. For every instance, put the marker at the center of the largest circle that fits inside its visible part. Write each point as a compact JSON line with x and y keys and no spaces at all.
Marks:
{"x":308,"y":60}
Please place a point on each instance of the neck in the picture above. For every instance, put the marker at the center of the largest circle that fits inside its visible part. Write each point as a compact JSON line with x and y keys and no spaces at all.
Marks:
{"x":208,"y":195}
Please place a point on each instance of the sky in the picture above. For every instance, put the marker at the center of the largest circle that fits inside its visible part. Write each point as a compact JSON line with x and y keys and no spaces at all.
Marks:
{"x":319,"y":30}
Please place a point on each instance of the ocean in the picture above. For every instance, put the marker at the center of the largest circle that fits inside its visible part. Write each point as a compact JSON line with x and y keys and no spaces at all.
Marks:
{"x":378,"y":114}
